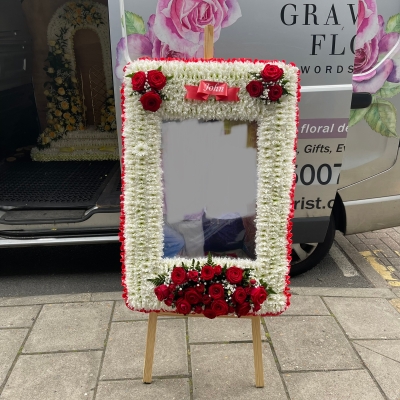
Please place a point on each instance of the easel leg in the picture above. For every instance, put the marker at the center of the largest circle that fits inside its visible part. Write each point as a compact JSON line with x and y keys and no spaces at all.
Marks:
{"x":257,"y":349}
{"x":150,"y":343}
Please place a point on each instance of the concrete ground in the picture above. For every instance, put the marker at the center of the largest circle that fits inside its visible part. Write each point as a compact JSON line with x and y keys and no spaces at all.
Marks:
{"x":332,"y":343}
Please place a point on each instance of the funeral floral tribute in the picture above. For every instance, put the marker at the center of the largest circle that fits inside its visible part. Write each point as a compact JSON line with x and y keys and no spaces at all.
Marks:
{"x":65,"y":108}
{"x":157,"y":90}
{"x":211,"y":289}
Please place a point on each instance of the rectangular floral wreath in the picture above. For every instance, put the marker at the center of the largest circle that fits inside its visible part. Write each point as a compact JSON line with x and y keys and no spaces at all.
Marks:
{"x":170,"y":89}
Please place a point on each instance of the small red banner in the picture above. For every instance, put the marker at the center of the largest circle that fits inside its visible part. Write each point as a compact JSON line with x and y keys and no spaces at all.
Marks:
{"x":220,"y":90}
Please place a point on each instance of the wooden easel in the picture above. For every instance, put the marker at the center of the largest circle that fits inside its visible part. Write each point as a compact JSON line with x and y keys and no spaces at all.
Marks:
{"x":152,"y":323}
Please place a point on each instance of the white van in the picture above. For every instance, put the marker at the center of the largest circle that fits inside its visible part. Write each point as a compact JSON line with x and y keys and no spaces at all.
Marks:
{"x":59,"y":167}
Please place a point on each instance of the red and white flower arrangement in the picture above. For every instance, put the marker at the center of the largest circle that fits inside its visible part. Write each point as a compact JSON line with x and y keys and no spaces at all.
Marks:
{"x":211,"y":290}
{"x":149,"y":84}
{"x":142,"y":200}
{"x":269,"y":84}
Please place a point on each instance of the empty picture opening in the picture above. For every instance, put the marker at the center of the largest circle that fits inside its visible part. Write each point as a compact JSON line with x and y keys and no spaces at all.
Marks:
{"x":210,"y":188}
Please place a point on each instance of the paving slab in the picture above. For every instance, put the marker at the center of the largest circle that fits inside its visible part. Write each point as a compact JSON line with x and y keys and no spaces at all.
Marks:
{"x":10,"y":343}
{"x":71,"y":326}
{"x":106,"y":296}
{"x":306,"y":305}
{"x":395,"y":303}
{"x":382,"y":357}
{"x":348,"y":292}
{"x":332,"y":385}
{"x":126,"y":345}
{"x":18,"y":317}
{"x":310,"y":343}
{"x":220,"y":330}
{"x":58,"y":376}
{"x":123,"y":313}
{"x":362,"y":264}
{"x":226,"y":371}
{"x":160,"y":389}
{"x":366,"y":318}
{"x":48,"y":299}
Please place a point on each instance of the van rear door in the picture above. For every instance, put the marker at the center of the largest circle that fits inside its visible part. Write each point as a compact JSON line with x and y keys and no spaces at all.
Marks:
{"x":318,"y":37}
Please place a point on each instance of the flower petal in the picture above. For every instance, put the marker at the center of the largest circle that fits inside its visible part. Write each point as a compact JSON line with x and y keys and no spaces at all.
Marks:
{"x":387,"y":42}
{"x":367,"y":22}
{"x":395,"y":74}
{"x":138,"y":46}
{"x":374,"y":80}
{"x":234,"y":13}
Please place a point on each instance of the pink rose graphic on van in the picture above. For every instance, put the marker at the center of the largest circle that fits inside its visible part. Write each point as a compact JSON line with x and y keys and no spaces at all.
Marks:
{"x":181,"y":23}
{"x":175,"y":30}
{"x":144,"y":44}
{"x":377,"y":67}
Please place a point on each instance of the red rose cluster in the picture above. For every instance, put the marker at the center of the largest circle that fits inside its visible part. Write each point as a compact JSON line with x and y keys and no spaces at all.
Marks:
{"x":271,"y":80}
{"x":212,"y":290}
{"x":149,"y":84}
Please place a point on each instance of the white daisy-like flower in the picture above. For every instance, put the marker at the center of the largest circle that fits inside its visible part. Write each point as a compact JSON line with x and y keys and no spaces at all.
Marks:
{"x":141,"y":150}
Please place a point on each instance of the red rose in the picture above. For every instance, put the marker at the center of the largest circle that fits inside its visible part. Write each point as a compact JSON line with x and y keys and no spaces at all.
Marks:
{"x":200,"y":288}
{"x":206,"y":299}
{"x":256,"y":307}
{"x":172,"y":287}
{"x":255,"y":88}
{"x":168,"y":302}
{"x":249,"y":289}
{"x":193,"y":276}
{"x":220,"y":307}
{"x":253,"y":281}
{"x":234,"y":275}
{"x":198,"y":309}
{"x":259,"y":295}
{"x":217,"y":270}
{"x":183,"y":307}
{"x":239,"y":295}
{"x":275,"y":92}
{"x":243,"y":309}
{"x":271,"y":73}
{"x":216,"y":291}
{"x":161,"y":292}
{"x":151,"y":101}
{"x":138,"y":81}
{"x":207,"y":273}
{"x":192,"y":297}
{"x":209,"y":313}
{"x":231,"y":309}
{"x":156,"y":79}
{"x":178,"y":275}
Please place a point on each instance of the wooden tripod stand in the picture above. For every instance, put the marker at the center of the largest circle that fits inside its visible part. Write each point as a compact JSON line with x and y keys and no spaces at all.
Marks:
{"x":151,"y":338}
{"x":255,"y":321}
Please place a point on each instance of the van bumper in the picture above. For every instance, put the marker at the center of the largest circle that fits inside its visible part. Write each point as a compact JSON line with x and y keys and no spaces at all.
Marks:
{"x":305,"y":230}
{"x":372,"y":214}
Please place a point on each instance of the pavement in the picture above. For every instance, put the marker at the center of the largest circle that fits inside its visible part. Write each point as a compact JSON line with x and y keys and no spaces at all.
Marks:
{"x":332,"y":343}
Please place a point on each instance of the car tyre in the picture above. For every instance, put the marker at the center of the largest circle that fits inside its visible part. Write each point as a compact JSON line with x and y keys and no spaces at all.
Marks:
{"x":306,"y":256}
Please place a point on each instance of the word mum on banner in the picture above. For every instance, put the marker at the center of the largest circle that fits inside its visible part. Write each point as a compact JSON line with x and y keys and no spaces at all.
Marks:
{"x":205,"y":89}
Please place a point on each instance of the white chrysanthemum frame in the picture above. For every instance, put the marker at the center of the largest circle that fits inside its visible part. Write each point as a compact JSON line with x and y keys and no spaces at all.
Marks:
{"x":141,"y":202}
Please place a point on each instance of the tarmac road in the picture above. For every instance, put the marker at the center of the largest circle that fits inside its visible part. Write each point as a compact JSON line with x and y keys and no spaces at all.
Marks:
{"x":96,"y":268}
